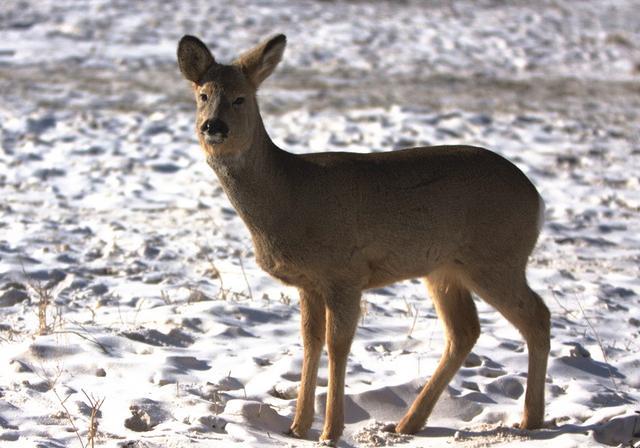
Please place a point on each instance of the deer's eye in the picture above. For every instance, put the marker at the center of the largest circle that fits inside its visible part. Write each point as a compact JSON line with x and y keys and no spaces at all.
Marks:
{"x":203,"y":97}
{"x":238,"y":101}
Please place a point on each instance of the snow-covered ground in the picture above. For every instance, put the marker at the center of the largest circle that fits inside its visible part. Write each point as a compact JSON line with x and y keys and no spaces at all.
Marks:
{"x":157,"y":305}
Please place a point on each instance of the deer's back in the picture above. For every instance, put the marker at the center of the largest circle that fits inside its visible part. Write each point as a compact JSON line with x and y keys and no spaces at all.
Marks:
{"x":441,"y":189}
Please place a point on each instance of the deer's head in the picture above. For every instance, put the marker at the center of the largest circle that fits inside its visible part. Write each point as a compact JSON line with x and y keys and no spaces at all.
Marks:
{"x":227,"y":111}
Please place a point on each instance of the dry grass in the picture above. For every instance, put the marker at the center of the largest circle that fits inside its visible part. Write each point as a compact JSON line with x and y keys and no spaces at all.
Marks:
{"x":244,"y":275}
{"x":94,"y":418}
{"x":44,"y":296}
{"x":285,"y":299}
{"x":95,"y":405}
{"x":51,"y":378}
{"x":601,"y":345}
{"x":414,"y":321}
{"x":68,"y":416}
{"x":84,"y":334}
{"x":226,"y":293}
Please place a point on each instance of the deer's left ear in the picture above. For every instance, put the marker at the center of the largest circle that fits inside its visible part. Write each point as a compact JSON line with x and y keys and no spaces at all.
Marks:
{"x":259,"y":62}
{"x":194,"y":58}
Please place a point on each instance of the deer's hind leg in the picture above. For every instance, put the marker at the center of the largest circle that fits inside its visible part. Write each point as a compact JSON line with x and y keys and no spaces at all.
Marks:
{"x":457,"y":312}
{"x":506,"y":289}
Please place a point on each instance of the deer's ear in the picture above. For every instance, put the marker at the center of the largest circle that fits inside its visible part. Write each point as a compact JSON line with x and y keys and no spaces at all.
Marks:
{"x":194,"y":58}
{"x":259,"y":62}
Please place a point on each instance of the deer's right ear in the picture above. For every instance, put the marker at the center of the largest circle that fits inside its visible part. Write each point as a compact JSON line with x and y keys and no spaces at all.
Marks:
{"x":194,"y":58}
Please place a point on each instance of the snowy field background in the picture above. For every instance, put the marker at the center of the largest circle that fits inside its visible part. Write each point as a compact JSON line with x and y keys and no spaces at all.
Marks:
{"x":156,"y":304}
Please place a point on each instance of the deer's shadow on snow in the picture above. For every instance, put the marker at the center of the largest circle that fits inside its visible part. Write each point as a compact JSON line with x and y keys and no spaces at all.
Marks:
{"x":390,"y":403}
{"x":615,"y":432}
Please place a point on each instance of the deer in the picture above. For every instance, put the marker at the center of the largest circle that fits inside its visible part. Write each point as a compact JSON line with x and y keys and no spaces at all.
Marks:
{"x":334,"y":224}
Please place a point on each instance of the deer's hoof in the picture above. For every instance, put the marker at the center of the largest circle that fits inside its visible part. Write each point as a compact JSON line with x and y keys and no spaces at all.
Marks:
{"x":294,"y":432}
{"x":328,"y":442}
{"x":408,"y":426}
{"x":529,"y":424}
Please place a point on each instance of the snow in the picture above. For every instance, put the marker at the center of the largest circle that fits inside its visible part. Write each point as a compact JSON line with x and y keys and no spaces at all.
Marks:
{"x":157,"y":304}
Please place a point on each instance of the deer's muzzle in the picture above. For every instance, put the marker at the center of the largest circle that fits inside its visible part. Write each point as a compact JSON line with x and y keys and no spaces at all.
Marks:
{"x":214,"y":130}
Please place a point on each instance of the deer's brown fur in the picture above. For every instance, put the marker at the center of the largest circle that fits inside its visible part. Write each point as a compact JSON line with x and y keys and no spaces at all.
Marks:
{"x":334,"y":224}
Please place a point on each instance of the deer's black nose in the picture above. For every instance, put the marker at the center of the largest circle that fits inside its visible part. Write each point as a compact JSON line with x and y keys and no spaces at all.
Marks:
{"x":215,"y":126}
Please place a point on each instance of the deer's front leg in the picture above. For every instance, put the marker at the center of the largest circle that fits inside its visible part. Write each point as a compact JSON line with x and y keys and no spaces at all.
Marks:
{"x":343,"y":310}
{"x":312,"y":310}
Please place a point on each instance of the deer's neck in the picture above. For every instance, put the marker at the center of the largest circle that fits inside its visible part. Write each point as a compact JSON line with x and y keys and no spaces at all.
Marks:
{"x":255,"y":181}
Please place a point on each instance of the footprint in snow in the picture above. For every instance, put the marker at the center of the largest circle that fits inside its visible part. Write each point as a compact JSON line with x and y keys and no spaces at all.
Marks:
{"x":175,"y":337}
{"x":186,"y":363}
